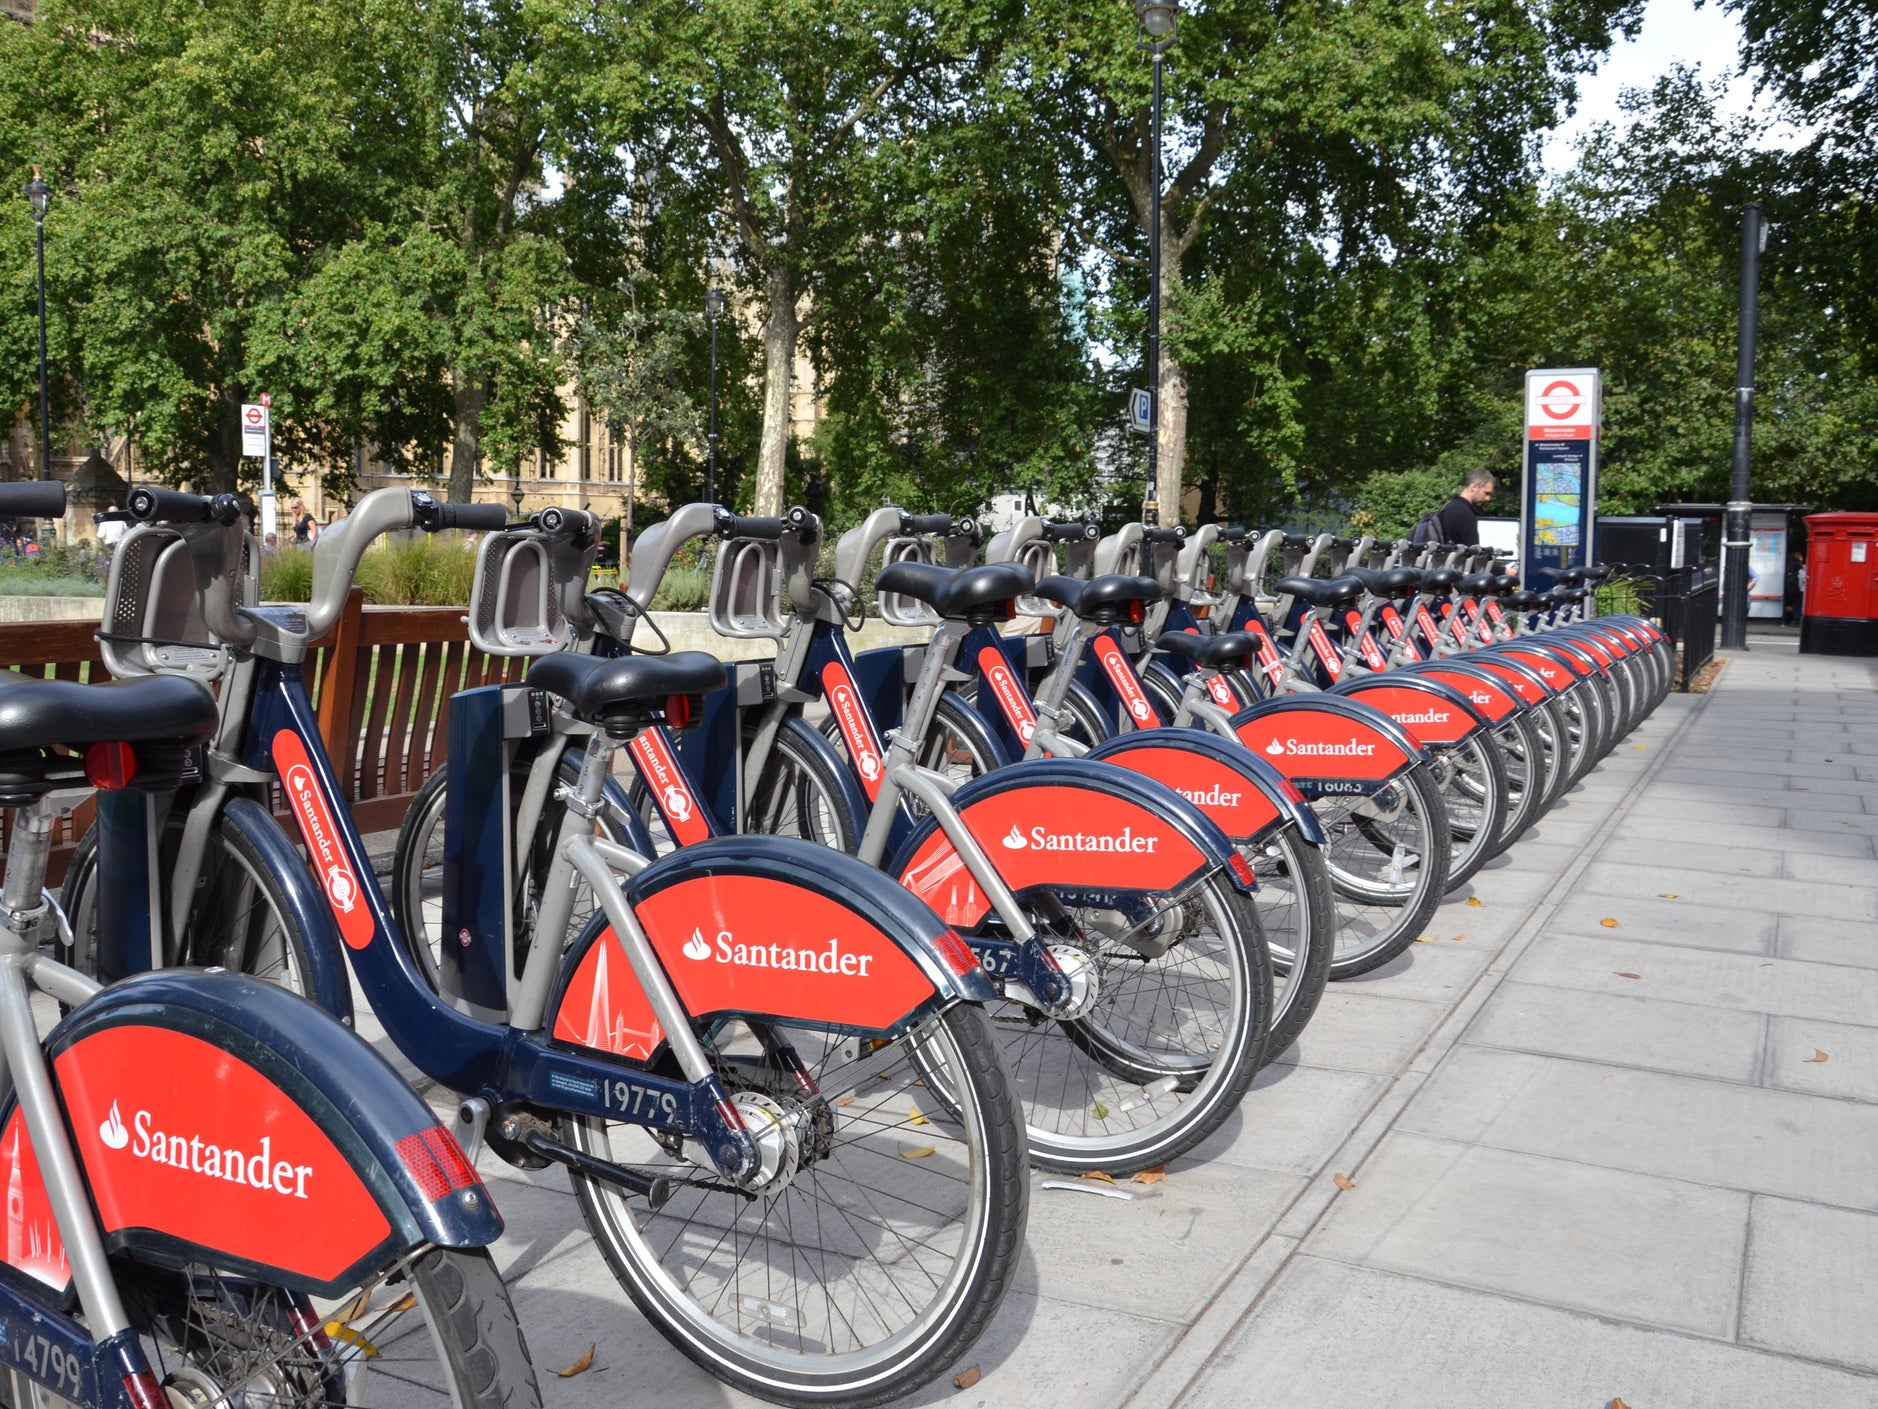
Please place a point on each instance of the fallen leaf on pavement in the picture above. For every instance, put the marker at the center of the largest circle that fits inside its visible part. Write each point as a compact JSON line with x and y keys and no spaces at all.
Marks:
{"x":1424,"y":939}
{"x":845,"y":1101}
{"x":915,"y":1151}
{"x":1619,"y":1404}
{"x":1457,"y":938}
{"x":580,"y":1366}
{"x":965,"y":1379}
{"x":1666,"y":895}
{"x":1101,"y":1111}
{"x":913,"y":1117}
{"x":1099,"y":1176}
{"x":1474,"y":901}
{"x":1156,"y":1175}
{"x":1344,"y":1181}
{"x":1608,"y":923}
{"x":1818,"y":1056}
{"x":1622,"y":974}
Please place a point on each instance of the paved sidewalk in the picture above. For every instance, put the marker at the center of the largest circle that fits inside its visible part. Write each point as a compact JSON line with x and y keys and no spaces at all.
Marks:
{"x":1589,"y":1159}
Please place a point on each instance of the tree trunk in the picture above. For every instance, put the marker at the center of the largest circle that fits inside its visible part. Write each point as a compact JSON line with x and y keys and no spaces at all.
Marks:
{"x":1172,"y":438}
{"x":779,"y":357}
{"x":466,"y":446}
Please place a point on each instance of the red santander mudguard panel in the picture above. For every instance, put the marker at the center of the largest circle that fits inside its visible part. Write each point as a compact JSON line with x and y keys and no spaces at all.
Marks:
{"x":1491,"y":700}
{"x":1053,"y":835}
{"x":1429,"y":718}
{"x":605,"y":1007}
{"x":1529,"y":690}
{"x":33,"y":1242}
{"x":1303,"y":743}
{"x":738,"y":943}
{"x":1239,"y":809}
{"x":179,"y":1137}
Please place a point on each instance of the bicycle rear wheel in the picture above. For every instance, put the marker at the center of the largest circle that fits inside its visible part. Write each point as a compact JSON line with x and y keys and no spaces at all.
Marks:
{"x":1388,"y":858}
{"x":438,"y":1329}
{"x":882,"y":1251}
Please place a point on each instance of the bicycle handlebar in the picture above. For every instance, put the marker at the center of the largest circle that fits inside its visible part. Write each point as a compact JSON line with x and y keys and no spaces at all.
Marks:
{"x":1177,"y":534}
{"x":33,"y":499}
{"x":1072,"y":531}
{"x":148,"y":503}
{"x":796,"y":522}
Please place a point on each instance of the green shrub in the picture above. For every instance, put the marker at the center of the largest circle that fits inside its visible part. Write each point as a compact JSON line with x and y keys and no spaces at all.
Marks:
{"x":419,"y":572}
{"x":37,"y":582}
{"x":683,"y":590}
{"x":287,"y":576}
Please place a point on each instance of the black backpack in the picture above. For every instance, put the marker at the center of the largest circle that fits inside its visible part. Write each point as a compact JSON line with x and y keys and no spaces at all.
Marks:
{"x":1427,"y":531}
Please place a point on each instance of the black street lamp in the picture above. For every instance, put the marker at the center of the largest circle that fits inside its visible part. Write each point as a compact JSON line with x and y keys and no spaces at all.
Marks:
{"x":1160,"y":25}
{"x":515,"y":493}
{"x":713,"y":310}
{"x":37,"y":194}
{"x":1738,"y":517}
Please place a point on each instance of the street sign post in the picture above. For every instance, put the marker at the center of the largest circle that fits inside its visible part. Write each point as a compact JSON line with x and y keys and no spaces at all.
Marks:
{"x":1558,"y":501}
{"x":257,"y":443}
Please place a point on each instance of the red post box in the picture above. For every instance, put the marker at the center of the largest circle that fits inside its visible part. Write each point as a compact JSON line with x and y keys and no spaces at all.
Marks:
{"x":1841,"y":611}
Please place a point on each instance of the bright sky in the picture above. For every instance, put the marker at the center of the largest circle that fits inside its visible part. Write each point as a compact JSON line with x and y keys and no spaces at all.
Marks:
{"x":1674,"y":31}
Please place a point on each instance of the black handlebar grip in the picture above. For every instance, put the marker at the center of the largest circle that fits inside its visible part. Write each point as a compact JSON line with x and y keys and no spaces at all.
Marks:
{"x":568,"y":525}
{"x":1296,"y":540}
{"x":1234,"y":533}
{"x":474,"y":518}
{"x":33,"y":499}
{"x":149,"y":503}
{"x":926,"y":523}
{"x":1072,"y":531}
{"x":1164,"y":535}
{"x":1343,"y":545}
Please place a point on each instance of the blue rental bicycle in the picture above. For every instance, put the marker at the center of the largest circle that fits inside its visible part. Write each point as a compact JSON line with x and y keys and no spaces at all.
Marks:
{"x":214,"y":1194}
{"x":764,"y":1065}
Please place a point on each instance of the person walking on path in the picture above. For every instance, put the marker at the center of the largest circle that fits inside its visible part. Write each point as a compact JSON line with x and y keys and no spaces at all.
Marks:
{"x":111,"y":531}
{"x":306,"y":528}
{"x":1458,"y":520}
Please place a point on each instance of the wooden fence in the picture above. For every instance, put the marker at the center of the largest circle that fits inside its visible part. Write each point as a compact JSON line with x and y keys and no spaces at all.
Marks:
{"x":380,"y":680}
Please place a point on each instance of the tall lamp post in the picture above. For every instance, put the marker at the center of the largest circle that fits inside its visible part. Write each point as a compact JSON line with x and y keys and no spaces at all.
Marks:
{"x":1160,"y":22}
{"x":1738,"y":517}
{"x":713,"y":310}
{"x":516,"y":493}
{"x":37,"y":194}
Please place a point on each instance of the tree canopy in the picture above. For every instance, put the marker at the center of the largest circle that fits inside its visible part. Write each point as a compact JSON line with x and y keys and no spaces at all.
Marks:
{"x":427,"y":226}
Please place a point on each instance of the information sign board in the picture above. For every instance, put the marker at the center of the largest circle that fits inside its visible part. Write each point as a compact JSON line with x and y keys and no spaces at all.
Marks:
{"x":1558,"y":501}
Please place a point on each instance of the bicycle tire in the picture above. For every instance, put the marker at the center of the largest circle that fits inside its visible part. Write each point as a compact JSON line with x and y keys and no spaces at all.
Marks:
{"x":1060,"y":1089}
{"x":1380,"y":919}
{"x":1524,"y":757}
{"x":1305,"y":922}
{"x":738,"y":1329}
{"x":1472,"y":783}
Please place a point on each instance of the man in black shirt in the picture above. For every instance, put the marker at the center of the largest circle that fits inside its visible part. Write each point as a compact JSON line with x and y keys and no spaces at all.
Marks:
{"x":1459,"y":517}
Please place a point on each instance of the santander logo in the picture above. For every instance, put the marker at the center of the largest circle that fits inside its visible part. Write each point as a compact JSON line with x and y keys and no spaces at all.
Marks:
{"x":1011,"y":699}
{"x":257,"y":1169}
{"x":1295,"y":748}
{"x":1427,"y":716}
{"x":853,"y":722}
{"x":1215,"y":796}
{"x":1124,"y":842}
{"x":832,"y":960}
{"x":656,"y":765}
{"x":325,"y":849}
{"x":1122,"y":676}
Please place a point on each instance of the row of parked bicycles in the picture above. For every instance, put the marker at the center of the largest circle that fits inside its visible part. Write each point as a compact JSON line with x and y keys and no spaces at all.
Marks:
{"x":797,"y":965}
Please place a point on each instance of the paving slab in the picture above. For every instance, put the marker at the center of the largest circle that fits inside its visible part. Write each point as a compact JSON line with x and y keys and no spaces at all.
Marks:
{"x":1625,"y":1030}
{"x":1826,"y":1059}
{"x":1364,"y":1029}
{"x":1683,"y":920}
{"x":1679,"y":1127}
{"x":1331,"y":1336}
{"x":1849,"y":942}
{"x":1796,"y":1250}
{"x":1652,"y":1250}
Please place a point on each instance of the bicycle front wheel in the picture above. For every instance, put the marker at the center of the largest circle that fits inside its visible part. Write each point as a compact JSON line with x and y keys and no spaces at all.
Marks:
{"x":1388,"y":857}
{"x":882,"y":1250}
{"x":437,"y":1330}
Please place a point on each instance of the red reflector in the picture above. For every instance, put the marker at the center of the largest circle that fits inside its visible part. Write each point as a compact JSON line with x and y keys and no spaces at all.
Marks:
{"x":1242,"y":869}
{"x":1137,"y":612}
{"x":436,"y":1162}
{"x":1290,"y":790}
{"x":728,"y":1113}
{"x":956,"y":952}
{"x":145,"y":1392}
{"x":678,"y":711}
{"x":110,"y":766}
